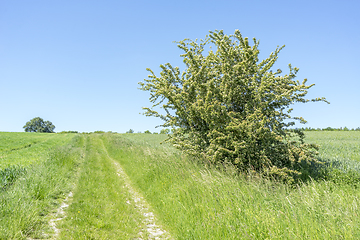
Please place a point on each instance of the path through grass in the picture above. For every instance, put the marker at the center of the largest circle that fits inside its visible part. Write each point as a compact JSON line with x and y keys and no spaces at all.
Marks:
{"x":101,"y":207}
{"x":189,"y":200}
{"x":27,"y":204}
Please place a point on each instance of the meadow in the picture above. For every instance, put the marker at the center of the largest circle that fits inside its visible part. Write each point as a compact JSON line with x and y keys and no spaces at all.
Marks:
{"x":27,"y":148}
{"x":190,"y":200}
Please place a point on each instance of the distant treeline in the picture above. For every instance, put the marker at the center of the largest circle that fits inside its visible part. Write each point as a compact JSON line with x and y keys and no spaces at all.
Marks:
{"x":162,"y":131}
{"x":168,"y":131}
{"x":329,"y":129}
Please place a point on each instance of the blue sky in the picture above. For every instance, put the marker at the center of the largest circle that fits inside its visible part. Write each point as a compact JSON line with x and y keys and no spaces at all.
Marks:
{"x":78,"y":63}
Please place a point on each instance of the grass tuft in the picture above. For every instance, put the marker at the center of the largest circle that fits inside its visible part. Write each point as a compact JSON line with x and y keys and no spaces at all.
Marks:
{"x":9,"y":175}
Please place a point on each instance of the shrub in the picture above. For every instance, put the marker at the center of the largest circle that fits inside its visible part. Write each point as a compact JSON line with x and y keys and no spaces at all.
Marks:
{"x":229,"y":107}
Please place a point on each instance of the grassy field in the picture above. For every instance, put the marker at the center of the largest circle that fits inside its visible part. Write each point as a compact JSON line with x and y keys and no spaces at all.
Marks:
{"x":203,"y":203}
{"x":27,"y":203}
{"x":341,"y":148}
{"x":189,"y":200}
{"x":27,"y":148}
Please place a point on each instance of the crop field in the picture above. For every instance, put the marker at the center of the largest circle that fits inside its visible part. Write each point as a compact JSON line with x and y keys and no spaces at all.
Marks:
{"x":129,"y":186}
{"x":342,"y":148}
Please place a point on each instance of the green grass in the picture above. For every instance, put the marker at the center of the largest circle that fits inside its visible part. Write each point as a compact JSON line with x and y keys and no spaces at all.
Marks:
{"x":190,"y":200}
{"x":9,"y":175}
{"x":31,"y":195}
{"x":195,"y":202}
{"x":99,"y":209}
{"x":27,"y":148}
{"x":340,"y":148}
{"x":25,"y":206}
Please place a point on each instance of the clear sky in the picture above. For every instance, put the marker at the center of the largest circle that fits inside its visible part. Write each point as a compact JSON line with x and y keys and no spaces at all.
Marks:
{"x":78,"y":63}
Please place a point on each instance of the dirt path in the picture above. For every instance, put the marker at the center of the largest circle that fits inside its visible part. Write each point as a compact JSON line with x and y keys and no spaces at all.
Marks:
{"x":59,"y":215}
{"x":97,"y":158}
{"x":152,"y":230}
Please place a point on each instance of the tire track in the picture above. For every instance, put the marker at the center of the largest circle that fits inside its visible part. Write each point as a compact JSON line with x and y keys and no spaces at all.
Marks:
{"x":60,"y":215}
{"x":60,"y":211}
{"x":152,"y":230}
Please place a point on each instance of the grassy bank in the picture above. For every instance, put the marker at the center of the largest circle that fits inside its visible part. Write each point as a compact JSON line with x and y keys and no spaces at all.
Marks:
{"x":195,"y":202}
{"x":26,"y":205}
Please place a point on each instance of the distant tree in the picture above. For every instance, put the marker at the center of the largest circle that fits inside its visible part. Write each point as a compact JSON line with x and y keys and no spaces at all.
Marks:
{"x":147,"y":131}
{"x":164,"y":131}
{"x":228,"y":106}
{"x":39,"y":125}
{"x":130,"y":131}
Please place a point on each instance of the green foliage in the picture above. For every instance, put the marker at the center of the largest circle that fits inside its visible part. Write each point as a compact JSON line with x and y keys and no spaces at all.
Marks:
{"x":9,"y":175}
{"x":64,"y":132}
{"x":165,"y":131}
{"x":130,"y":131}
{"x":340,"y":177}
{"x":147,"y":131}
{"x":99,"y":132}
{"x":39,"y":125}
{"x":229,"y":107}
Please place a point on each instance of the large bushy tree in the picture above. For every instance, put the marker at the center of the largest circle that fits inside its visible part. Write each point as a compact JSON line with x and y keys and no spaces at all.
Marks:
{"x":39,"y":125}
{"x":228,"y":106}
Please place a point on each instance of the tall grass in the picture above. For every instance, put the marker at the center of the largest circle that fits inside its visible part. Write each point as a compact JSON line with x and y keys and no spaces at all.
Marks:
{"x":25,"y":206}
{"x":191,"y":200}
{"x":198,"y":202}
{"x":9,"y":175}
